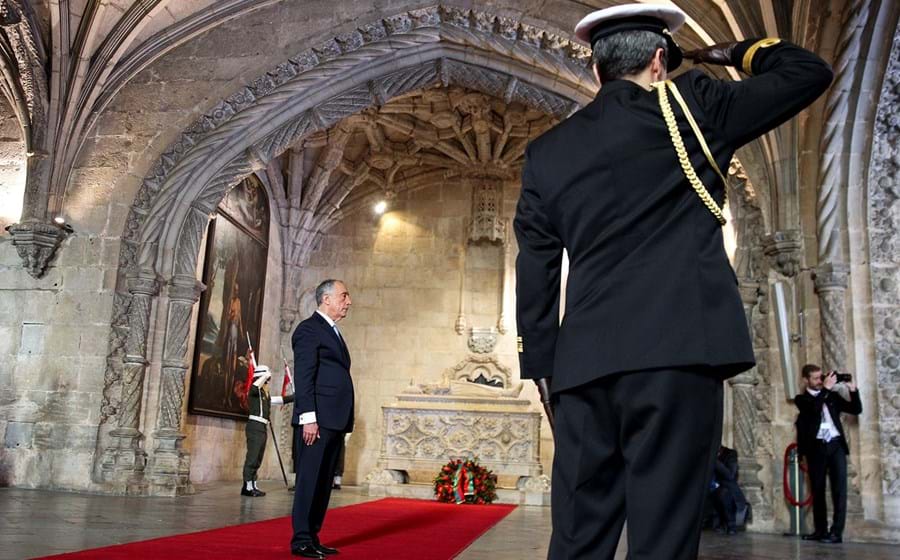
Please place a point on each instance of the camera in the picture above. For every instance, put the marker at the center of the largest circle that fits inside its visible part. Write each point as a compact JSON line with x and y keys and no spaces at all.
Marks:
{"x":843,"y":377}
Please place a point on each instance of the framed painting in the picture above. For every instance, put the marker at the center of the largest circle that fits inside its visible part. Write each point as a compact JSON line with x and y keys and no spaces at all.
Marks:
{"x":231,"y":306}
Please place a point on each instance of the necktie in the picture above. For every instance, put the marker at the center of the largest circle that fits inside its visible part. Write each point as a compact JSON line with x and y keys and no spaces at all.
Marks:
{"x":337,"y":332}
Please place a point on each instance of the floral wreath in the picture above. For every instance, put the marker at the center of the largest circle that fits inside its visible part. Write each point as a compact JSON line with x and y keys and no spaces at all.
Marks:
{"x":465,"y":482}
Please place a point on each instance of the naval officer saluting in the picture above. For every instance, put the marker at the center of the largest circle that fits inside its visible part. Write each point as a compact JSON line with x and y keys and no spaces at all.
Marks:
{"x":653,"y":321}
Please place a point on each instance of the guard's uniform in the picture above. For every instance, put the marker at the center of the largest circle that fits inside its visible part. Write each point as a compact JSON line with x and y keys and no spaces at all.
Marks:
{"x":653,"y":319}
{"x":260,"y":405}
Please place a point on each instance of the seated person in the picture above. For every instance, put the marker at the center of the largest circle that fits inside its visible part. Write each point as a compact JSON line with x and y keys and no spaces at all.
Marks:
{"x":728,"y":501}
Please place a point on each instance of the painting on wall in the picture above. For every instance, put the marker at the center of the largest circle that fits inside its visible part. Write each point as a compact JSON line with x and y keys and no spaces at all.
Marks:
{"x":231,"y":306}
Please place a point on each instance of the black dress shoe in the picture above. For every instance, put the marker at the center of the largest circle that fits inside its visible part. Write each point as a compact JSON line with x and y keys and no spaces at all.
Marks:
{"x":252,"y":493}
{"x":831,"y":538}
{"x":335,"y":486}
{"x":259,"y":492}
{"x":307,"y":551}
{"x":814,"y":536}
{"x":326,"y":550}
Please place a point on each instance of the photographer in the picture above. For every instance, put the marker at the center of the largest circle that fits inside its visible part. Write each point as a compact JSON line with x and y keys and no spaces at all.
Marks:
{"x":822,"y":442}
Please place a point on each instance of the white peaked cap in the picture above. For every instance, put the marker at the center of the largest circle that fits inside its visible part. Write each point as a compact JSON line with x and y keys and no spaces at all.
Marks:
{"x":672,"y":16}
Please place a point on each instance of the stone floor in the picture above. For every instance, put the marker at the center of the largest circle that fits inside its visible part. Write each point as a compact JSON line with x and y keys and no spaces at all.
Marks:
{"x":38,"y":523}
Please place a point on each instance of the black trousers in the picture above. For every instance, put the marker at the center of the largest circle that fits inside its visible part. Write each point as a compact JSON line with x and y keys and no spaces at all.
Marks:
{"x":339,"y":464}
{"x":828,"y":460}
{"x":256,"y":448}
{"x":640,"y":446}
{"x":312,"y":487}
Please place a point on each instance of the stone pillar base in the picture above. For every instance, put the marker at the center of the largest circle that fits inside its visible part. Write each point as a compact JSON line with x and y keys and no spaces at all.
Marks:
{"x":169,"y":469}
{"x":123,"y":463}
{"x":535,"y":490}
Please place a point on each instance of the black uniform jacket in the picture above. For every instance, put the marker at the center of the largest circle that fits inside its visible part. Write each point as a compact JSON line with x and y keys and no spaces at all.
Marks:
{"x":322,"y":375}
{"x":810,"y":417}
{"x":649,"y":283}
{"x":260,"y":402}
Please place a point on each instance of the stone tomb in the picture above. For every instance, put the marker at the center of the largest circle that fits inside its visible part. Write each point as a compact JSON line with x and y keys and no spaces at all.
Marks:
{"x":474,"y":411}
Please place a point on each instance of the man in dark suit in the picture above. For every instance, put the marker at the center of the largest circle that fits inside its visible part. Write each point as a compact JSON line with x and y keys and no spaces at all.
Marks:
{"x":822,"y":442}
{"x":323,"y":409}
{"x":653,"y":320}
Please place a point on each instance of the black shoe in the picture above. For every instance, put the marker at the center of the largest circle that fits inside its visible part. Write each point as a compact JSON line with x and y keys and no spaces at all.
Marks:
{"x":814,"y":536}
{"x":831,"y":538}
{"x":335,"y":486}
{"x":732,"y":531}
{"x":252,"y":493}
{"x":307,"y":551}
{"x":326,"y":550}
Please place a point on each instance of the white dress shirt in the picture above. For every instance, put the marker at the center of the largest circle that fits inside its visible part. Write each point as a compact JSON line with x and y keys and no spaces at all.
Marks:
{"x":827,"y":430}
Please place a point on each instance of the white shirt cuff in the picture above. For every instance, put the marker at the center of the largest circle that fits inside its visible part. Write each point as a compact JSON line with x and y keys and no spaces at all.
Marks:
{"x":308,"y":418}
{"x":277,"y":400}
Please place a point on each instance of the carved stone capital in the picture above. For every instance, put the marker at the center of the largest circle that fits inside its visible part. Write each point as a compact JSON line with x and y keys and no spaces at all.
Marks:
{"x":184,"y":288}
{"x":288,"y":319}
{"x":749,"y":293}
{"x":482,"y":341}
{"x":831,"y":277}
{"x":784,"y":251}
{"x":143,"y":283}
{"x":37,"y":242}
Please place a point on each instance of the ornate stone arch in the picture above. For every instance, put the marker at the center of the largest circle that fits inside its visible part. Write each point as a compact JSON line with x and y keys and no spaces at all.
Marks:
{"x":883,"y":221}
{"x":311,"y":91}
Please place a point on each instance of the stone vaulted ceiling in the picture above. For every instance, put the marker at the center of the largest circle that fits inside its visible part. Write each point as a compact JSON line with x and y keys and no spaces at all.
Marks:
{"x":423,"y":137}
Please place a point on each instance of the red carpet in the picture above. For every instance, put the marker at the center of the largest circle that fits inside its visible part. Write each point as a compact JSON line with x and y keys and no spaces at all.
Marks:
{"x":391,"y":528}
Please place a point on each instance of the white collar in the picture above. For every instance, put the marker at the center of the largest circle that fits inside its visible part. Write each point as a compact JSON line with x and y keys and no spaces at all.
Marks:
{"x":331,"y":323}
{"x":813,"y":393}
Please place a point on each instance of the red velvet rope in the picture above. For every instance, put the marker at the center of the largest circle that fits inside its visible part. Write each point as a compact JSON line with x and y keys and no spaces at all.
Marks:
{"x":789,"y":496}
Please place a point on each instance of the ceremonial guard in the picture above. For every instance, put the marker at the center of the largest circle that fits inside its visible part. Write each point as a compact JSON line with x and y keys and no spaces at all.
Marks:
{"x":260,"y":404}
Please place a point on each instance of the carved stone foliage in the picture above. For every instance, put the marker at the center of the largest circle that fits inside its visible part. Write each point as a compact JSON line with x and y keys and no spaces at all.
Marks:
{"x":884,"y":248}
{"x":436,"y":435}
{"x":36,"y":243}
{"x":784,"y":249}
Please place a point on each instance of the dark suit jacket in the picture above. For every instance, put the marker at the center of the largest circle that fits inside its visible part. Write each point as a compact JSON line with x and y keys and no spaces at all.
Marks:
{"x":726,"y":474}
{"x":322,"y":375}
{"x":810,"y":417}
{"x":649,"y":284}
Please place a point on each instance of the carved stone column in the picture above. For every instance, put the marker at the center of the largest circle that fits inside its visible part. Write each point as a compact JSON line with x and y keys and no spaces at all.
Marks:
{"x":36,"y":242}
{"x":124,"y":460}
{"x":745,"y":420}
{"x":831,"y":281}
{"x":831,"y":285}
{"x":170,"y":466}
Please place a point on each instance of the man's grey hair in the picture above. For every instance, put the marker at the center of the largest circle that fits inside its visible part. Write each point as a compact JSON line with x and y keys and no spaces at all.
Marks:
{"x":325,"y":287}
{"x":627,"y":53}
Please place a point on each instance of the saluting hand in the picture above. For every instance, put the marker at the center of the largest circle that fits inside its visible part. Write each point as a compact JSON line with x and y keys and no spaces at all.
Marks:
{"x":720,"y":53}
{"x":310,"y":433}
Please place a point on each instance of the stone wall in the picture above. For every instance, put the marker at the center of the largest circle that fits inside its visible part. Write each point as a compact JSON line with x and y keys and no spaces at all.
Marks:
{"x":53,"y":342}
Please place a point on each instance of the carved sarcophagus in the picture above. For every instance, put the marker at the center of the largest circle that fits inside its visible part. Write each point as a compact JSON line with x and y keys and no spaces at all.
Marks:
{"x":475,"y":410}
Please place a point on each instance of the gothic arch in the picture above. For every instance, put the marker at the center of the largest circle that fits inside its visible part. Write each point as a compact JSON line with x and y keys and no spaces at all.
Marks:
{"x":312,"y":91}
{"x":157,"y":287}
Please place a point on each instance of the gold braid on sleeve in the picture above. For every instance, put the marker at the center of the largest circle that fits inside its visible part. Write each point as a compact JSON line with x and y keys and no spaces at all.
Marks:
{"x":682,"y":153}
